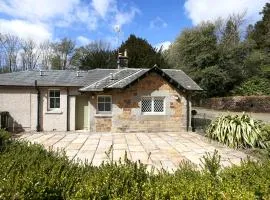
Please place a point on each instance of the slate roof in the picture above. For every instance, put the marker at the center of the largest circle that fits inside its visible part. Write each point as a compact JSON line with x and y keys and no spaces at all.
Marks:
{"x":94,"y":80}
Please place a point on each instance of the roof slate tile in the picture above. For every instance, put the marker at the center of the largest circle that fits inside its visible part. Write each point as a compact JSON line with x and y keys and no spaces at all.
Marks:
{"x":92,"y":80}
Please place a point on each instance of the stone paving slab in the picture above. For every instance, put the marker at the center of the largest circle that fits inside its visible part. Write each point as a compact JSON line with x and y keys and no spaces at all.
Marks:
{"x":159,"y":150}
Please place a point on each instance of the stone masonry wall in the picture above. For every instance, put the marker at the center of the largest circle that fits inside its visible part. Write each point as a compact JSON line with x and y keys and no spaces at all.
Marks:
{"x":238,"y":103}
{"x":126,"y":112}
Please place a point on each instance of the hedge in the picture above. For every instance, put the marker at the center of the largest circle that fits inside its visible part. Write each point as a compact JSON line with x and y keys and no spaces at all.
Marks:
{"x":30,"y":172}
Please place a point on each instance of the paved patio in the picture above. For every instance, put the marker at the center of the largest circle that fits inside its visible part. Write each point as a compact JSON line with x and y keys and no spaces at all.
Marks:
{"x":161,"y":150}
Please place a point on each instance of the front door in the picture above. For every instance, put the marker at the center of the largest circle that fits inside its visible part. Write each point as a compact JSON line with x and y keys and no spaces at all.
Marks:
{"x":82,"y":113}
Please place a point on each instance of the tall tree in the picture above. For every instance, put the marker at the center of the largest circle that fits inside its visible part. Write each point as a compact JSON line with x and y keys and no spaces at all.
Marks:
{"x":141,"y":53}
{"x":63,"y":51}
{"x":11,"y":45}
{"x":46,"y":54}
{"x":97,"y":54}
{"x":261,"y":33}
{"x":30,"y":55}
{"x":195,"y":48}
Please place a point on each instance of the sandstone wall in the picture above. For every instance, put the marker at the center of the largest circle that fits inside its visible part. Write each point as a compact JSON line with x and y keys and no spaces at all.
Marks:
{"x":126,"y":113}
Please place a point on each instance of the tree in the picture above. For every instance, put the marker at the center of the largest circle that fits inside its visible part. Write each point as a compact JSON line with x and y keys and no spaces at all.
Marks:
{"x":141,"y":53}
{"x":214,"y":55}
{"x":261,"y":33}
{"x":30,"y":55}
{"x":97,"y":54}
{"x":62,"y":53}
{"x":10,"y":45}
{"x":253,"y":86}
{"x":194,"y":49}
{"x":46,"y":54}
{"x":214,"y":81}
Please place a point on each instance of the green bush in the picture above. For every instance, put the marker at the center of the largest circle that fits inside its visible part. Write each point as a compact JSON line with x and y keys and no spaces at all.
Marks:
{"x":31,"y":172}
{"x":4,"y":137}
{"x":238,"y":131}
{"x":254,"y":86}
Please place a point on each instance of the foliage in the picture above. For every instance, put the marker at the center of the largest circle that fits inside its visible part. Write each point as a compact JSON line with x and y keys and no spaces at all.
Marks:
{"x":31,"y":172}
{"x":261,"y":29}
{"x":210,"y":79}
{"x":211,"y":163}
{"x":194,"y":48}
{"x":96,"y":54}
{"x":141,"y":54}
{"x":4,"y":137}
{"x":253,"y":86}
{"x":218,"y":57}
{"x":237,"y":131}
{"x":62,"y":51}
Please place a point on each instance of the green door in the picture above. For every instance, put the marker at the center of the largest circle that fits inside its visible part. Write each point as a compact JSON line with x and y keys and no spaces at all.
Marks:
{"x":82,"y":113}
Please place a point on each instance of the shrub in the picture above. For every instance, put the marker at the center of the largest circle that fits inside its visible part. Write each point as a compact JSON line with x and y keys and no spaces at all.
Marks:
{"x":30,"y":172}
{"x":253,"y":86}
{"x":237,"y":131}
{"x":4,"y":137}
{"x":211,"y":163}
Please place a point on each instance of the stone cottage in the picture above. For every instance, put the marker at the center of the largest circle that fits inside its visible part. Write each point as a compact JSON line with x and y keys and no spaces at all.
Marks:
{"x":98,"y":100}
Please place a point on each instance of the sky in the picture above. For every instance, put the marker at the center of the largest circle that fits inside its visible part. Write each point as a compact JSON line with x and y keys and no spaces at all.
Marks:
{"x":157,"y":21}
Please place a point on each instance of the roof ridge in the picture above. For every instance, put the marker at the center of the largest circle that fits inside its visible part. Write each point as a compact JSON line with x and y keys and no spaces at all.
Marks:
{"x":173,"y":69}
{"x":102,"y":79}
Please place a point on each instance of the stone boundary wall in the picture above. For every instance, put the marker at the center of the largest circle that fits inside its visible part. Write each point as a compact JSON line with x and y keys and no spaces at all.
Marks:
{"x":238,"y":103}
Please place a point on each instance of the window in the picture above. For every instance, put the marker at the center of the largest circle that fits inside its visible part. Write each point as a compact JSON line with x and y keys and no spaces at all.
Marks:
{"x":152,"y":105}
{"x":104,"y":104}
{"x":54,"y":99}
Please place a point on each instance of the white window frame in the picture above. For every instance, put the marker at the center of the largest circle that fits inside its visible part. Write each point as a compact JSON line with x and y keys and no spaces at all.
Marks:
{"x":152,"y":105}
{"x":104,"y":112}
{"x":49,"y":99}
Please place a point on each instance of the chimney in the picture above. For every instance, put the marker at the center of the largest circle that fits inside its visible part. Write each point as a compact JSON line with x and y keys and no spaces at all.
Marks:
{"x":78,"y":73}
{"x":122,"y":60}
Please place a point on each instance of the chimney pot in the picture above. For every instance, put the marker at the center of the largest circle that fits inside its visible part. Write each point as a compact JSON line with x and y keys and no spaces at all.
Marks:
{"x":122,"y":60}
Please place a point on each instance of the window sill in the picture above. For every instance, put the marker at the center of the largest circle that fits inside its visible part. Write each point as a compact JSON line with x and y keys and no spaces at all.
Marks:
{"x":106,"y":115}
{"x":153,"y":114}
{"x":54,"y":112}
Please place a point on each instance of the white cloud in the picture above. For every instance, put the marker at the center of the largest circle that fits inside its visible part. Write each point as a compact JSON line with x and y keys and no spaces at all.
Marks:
{"x":158,"y":23}
{"x":36,"y":31}
{"x":122,"y":18}
{"x":209,"y":10}
{"x":165,"y":45}
{"x":86,"y":16}
{"x":56,"y":13}
{"x":103,"y":6}
{"x":82,"y":40}
{"x":41,"y":10}
{"x":42,"y":16}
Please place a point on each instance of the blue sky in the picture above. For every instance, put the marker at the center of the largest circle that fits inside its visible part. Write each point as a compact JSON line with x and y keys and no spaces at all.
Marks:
{"x":158,"y":21}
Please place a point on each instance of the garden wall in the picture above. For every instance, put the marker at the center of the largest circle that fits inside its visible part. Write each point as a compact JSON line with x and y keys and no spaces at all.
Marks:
{"x":238,"y":103}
